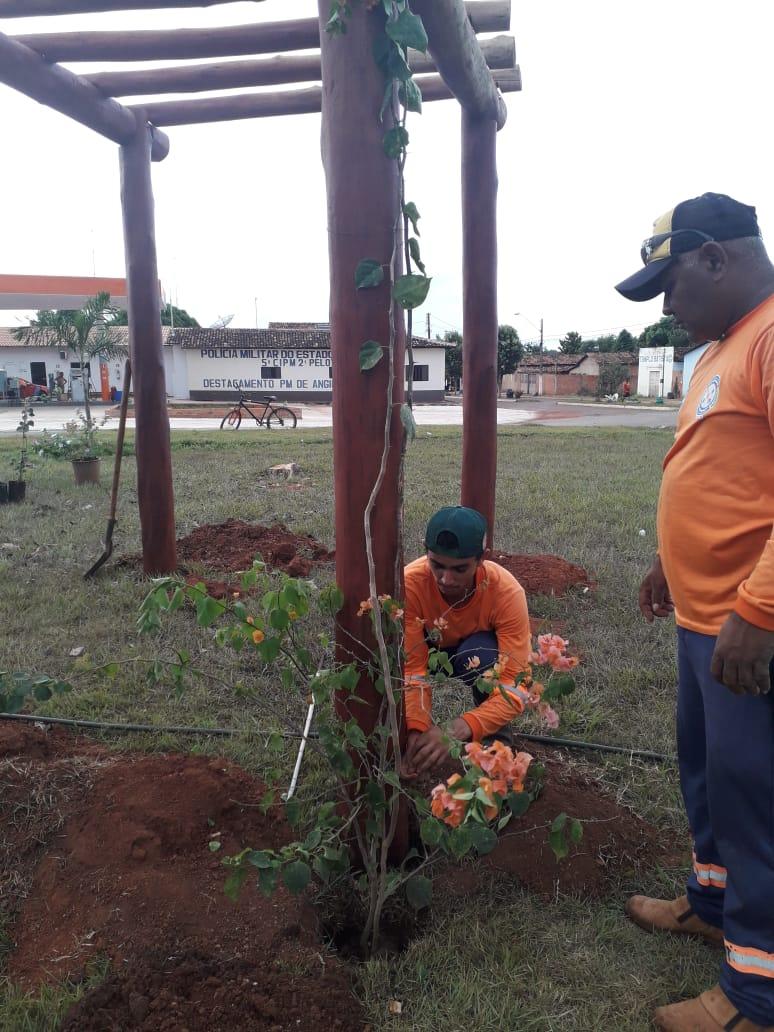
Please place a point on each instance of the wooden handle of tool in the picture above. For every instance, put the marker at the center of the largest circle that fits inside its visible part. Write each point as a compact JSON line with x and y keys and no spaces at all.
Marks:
{"x":120,"y":439}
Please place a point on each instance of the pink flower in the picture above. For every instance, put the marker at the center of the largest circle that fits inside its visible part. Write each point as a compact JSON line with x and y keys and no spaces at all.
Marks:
{"x":440,"y":623}
{"x":473,"y":663}
{"x":548,"y":715}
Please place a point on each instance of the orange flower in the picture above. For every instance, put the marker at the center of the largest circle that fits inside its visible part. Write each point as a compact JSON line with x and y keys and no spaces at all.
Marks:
{"x":440,"y":623}
{"x":365,"y":607}
{"x":292,"y":614}
{"x":473,"y":663}
{"x":258,"y":637}
{"x":250,"y":619}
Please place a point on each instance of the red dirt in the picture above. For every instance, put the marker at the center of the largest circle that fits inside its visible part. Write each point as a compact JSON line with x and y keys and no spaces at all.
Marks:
{"x":232,"y":546}
{"x":127,"y":873}
{"x":544,"y":574}
{"x":615,"y":840}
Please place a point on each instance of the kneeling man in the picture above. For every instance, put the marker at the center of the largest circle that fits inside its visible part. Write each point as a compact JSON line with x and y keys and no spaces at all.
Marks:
{"x":476,"y":612}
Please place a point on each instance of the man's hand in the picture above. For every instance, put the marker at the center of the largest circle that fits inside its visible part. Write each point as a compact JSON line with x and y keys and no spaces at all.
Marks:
{"x":428,"y":749}
{"x":742,"y":656}
{"x":655,"y":599}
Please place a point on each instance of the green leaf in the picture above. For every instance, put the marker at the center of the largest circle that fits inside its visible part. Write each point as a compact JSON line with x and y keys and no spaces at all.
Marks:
{"x":207,"y":610}
{"x":559,"y":822}
{"x":279,"y":619}
{"x":296,"y":876}
{"x":395,"y":141}
{"x":484,"y":839}
{"x":419,"y":891}
{"x":233,"y":884}
{"x":214,"y":845}
{"x":391,"y":778}
{"x":558,"y":844}
{"x":407,"y":419}
{"x":269,"y":649}
{"x":369,"y":273}
{"x":519,"y":802}
{"x":407,"y":30}
{"x":260,"y":858}
{"x":332,"y":597}
{"x":460,"y":841}
{"x":410,"y":96}
{"x":267,"y":879}
{"x":415,"y":254}
{"x":576,"y":831}
{"x":42,"y":692}
{"x":370,"y":355}
{"x":313,"y":839}
{"x":431,"y":832}
{"x":412,"y":214}
{"x":411,"y":290}
{"x":292,"y":811}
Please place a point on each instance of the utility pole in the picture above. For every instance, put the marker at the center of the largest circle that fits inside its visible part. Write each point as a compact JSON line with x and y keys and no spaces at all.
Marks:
{"x":540,"y":382}
{"x":428,"y":326}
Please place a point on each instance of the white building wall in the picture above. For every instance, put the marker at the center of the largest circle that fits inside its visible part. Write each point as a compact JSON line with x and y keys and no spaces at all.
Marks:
{"x":654,"y":361}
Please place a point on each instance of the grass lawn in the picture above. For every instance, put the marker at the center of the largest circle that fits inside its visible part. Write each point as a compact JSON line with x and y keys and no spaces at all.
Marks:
{"x":503,"y":959}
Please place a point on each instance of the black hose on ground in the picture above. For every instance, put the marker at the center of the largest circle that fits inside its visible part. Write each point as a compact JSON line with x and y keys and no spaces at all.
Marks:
{"x":228,"y":732}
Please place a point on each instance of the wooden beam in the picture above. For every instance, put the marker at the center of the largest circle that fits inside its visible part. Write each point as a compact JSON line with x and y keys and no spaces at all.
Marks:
{"x":457,"y":54}
{"x":284,"y":102}
{"x":256,"y":38}
{"x":57,"y":88}
{"x":479,"y":315}
{"x":30,"y":8}
{"x":499,"y":52}
{"x":155,"y":497}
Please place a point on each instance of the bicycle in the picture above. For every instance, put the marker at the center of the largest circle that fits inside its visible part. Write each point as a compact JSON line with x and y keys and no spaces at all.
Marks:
{"x":273,"y":417}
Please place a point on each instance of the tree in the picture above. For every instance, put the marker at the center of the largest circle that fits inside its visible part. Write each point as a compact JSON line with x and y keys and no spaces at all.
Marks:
{"x":85,"y":332}
{"x":612,"y":373}
{"x":664,"y":334}
{"x":509,"y":352}
{"x":170,"y":316}
{"x":453,"y":357}
{"x":571,"y":343}
{"x":624,"y":341}
{"x":601,"y":344}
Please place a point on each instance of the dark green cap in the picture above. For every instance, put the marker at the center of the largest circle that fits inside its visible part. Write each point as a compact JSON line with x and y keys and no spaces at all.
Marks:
{"x":462,"y":530}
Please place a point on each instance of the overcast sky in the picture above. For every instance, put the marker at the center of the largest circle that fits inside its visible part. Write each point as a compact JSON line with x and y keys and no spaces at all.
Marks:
{"x":626,"y":109}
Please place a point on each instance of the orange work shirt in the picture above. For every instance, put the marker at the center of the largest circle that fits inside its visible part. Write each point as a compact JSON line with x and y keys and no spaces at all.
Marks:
{"x":716,"y":507}
{"x":497,"y":604}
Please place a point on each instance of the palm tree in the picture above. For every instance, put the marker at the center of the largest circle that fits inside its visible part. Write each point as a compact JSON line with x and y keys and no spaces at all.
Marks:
{"x":84,"y":332}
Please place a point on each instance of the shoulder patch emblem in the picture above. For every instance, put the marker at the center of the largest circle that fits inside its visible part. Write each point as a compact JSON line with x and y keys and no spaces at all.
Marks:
{"x":709,"y":398}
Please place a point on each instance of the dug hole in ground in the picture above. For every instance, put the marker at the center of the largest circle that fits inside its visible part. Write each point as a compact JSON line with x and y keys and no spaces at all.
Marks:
{"x":106,"y":854}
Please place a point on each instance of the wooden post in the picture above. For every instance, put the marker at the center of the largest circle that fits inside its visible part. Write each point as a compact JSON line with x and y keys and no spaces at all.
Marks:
{"x":152,"y":445}
{"x":363,"y":222}
{"x":479,"y":315}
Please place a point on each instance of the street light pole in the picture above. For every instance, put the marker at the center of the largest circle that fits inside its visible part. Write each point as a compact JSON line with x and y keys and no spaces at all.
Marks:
{"x":540,"y":373}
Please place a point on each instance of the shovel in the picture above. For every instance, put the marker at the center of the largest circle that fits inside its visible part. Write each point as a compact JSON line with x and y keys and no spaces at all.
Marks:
{"x":108,"y":543}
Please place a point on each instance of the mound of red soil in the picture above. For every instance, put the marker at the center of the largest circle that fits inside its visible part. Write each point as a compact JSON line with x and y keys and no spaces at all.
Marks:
{"x":544,"y":574}
{"x":615,"y":840}
{"x":130,"y":867}
{"x":232,"y":546}
{"x":199,"y":993}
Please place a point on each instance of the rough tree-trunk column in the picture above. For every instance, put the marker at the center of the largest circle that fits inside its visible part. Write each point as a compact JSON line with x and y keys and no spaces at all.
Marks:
{"x":363,"y":208}
{"x":479,"y":315}
{"x":152,"y":445}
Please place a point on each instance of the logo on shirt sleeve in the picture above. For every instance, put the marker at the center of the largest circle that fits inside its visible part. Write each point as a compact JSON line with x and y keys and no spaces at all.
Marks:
{"x":709,"y":398}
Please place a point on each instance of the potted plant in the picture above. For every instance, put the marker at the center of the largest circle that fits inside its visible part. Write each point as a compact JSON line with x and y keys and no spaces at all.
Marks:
{"x":17,"y":489}
{"x":76,"y":442}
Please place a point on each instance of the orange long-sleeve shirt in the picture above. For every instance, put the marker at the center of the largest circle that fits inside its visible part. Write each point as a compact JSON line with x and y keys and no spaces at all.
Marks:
{"x":497,"y":604}
{"x":716,"y":507}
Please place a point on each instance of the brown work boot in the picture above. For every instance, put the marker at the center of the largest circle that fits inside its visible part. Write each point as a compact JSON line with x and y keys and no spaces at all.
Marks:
{"x":671,"y":915}
{"x":710,"y":1012}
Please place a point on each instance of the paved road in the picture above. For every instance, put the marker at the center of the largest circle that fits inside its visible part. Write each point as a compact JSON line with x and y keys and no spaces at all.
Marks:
{"x":543,"y":413}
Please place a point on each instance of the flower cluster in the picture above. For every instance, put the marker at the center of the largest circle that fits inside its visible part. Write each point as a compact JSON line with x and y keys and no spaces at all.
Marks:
{"x":388,"y":603}
{"x":491,"y":774}
{"x":552,"y":652}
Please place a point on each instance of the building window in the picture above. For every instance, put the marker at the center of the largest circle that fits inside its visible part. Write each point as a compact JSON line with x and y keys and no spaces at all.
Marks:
{"x":270,"y":372}
{"x":421,"y":373}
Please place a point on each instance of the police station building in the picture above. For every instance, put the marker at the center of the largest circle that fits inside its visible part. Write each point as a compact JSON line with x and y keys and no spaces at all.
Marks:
{"x":290,"y":360}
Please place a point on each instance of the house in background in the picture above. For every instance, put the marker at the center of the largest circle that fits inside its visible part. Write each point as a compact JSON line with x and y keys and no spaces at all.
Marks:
{"x":554,"y":374}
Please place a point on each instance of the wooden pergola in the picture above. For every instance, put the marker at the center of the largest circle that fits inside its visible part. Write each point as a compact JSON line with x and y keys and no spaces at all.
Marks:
{"x":363,"y":212}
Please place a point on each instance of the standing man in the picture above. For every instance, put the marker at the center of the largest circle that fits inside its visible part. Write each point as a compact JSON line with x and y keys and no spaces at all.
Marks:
{"x":715,"y":570}
{"x":476,"y":612}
